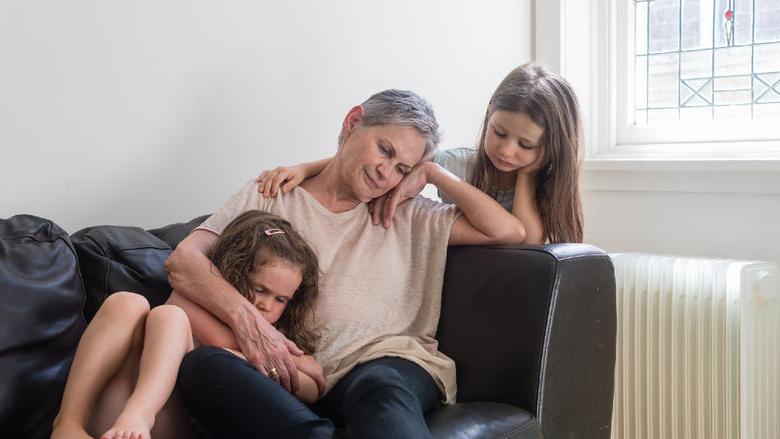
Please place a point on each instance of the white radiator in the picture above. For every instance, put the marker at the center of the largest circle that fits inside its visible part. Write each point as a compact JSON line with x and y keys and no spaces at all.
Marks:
{"x":698,"y":349}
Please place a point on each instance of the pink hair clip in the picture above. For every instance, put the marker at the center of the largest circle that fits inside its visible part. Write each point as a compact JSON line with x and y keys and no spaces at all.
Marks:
{"x":270,"y":232}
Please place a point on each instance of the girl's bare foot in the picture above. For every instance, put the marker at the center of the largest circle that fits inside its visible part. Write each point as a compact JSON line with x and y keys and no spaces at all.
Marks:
{"x":130,"y":425}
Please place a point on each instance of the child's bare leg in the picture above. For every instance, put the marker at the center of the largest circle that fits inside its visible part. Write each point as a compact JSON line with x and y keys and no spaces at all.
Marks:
{"x":167,"y":338}
{"x":101,"y":352}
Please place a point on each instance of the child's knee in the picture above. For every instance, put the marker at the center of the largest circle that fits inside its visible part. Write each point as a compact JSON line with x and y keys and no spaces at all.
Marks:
{"x":126,"y":304}
{"x":170,"y":314}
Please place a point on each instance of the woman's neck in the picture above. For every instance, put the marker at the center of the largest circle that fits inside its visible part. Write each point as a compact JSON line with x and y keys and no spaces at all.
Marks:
{"x":329,"y":189}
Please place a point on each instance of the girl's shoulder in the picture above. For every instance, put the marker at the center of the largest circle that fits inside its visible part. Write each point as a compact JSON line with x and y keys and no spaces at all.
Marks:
{"x":459,"y":154}
{"x":455,"y":160}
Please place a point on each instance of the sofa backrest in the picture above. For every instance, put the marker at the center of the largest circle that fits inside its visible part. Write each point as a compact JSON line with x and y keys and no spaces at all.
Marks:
{"x":120,"y":258}
{"x":41,"y":321}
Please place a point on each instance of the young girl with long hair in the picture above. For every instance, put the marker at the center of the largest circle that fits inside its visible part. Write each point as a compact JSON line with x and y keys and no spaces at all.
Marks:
{"x":527,"y":158}
{"x":123,"y":374}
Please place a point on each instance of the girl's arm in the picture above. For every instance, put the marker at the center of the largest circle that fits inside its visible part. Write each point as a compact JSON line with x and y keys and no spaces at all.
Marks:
{"x":206,"y":328}
{"x":209,"y":330}
{"x":524,"y":208}
{"x":270,"y":181}
{"x":484,"y":221}
{"x":310,"y":389}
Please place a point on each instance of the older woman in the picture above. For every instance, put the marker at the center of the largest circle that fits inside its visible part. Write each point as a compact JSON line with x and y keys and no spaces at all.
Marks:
{"x":380,"y":294}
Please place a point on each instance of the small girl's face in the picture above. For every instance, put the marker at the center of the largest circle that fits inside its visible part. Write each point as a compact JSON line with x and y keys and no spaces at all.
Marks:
{"x":512,"y":141}
{"x":274,"y":281}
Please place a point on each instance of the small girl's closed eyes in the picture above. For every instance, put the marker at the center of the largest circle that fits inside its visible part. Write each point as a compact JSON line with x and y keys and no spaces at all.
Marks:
{"x":123,"y":374}
{"x":527,"y":158}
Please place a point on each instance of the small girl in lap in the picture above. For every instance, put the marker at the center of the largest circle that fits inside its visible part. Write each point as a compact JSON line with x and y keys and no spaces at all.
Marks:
{"x":122,"y":378}
{"x":527,"y":158}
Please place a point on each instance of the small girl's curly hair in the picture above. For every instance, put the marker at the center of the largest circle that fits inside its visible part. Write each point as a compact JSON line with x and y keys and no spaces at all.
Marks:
{"x":235,"y":255}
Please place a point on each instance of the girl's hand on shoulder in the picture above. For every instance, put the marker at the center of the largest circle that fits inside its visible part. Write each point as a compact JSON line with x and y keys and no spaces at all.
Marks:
{"x":284,"y":177}
{"x":382,"y":209}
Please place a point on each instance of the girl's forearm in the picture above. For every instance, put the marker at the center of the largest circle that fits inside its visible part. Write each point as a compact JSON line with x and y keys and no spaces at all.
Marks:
{"x":308,"y":391}
{"x":483,"y":212}
{"x":524,"y":208}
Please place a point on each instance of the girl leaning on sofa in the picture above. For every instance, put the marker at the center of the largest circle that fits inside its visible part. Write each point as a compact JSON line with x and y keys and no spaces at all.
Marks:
{"x":527,"y":158}
{"x":123,"y":374}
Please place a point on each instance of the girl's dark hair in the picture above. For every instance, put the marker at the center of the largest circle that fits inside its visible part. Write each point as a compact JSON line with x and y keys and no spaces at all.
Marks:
{"x":235,"y":255}
{"x":549,"y":100}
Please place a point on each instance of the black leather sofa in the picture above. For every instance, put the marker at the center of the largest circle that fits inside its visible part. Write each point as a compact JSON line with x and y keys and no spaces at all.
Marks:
{"x":532,"y":329}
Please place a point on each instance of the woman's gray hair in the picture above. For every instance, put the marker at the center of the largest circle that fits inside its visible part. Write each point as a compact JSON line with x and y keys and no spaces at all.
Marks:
{"x":405,"y":108}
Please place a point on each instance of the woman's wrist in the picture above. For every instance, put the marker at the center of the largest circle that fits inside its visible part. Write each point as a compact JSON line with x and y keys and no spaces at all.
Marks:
{"x":435,"y":173}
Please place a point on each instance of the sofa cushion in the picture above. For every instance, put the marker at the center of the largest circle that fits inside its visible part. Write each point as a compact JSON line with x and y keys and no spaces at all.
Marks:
{"x":173,"y":234}
{"x":118,"y":258}
{"x":483,"y":420}
{"x":41,"y":303}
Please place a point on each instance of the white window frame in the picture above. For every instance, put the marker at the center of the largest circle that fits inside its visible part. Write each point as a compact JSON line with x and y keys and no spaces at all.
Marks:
{"x":592,"y":64}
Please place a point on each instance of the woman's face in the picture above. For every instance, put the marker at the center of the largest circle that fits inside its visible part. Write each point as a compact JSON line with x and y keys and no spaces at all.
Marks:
{"x":374,"y":159}
{"x":512,"y":141}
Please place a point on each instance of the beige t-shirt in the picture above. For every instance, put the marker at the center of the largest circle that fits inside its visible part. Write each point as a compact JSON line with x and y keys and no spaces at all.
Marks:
{"x":380,"y":292}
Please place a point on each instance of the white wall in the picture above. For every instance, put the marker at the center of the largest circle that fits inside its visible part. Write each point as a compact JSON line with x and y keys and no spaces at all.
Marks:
{"x":147,"y":112}
{"x":677,"y":218}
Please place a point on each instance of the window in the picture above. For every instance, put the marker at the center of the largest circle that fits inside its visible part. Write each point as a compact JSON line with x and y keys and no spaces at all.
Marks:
{"x":705,"y":60}
{"x":696,"y":76}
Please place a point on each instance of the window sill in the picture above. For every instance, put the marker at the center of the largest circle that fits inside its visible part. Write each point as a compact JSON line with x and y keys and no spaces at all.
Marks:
{"x":741,"y":176}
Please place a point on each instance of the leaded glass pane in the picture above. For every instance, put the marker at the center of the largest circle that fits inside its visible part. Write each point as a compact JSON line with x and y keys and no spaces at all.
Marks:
{"x":662,"y":80}
{"x":662,"y":116}
{"x":762,"y":111}
{"x":696,"y":64}
{"x":767,"y":21}
{"x":695,"y":114}
{"x":732,"y":61}
{"x":664,"y":28}
{"x":641,"y":28}
{"x":732,"y":112}
{"x":732,"y":98}
{"x":766,"y":58}
{"x":641,"y":78}
{"x":696,"y":24}
{"x":719,"y":22}
{"x":743,"y":16}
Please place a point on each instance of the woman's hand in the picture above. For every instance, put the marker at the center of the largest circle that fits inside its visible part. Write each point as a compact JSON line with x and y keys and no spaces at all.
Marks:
{"x":382,"y":209}
{"x":284,"y":176}
{"x":267,"y":349}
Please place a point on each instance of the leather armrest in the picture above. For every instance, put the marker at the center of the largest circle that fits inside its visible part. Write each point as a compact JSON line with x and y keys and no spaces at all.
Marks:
{"x":534,"y":326}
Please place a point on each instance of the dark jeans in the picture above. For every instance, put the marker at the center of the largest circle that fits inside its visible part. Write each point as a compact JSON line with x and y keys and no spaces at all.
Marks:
{"x":383,"y":398}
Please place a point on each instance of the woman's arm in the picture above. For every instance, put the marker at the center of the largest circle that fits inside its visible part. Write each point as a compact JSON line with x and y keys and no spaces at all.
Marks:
{"x":288,"y":177}
{"x":524,"y":208}
{"x":209,"y":330}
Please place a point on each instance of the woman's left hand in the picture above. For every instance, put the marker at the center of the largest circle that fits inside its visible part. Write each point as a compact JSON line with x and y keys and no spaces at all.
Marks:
{"x":383,"y":208}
